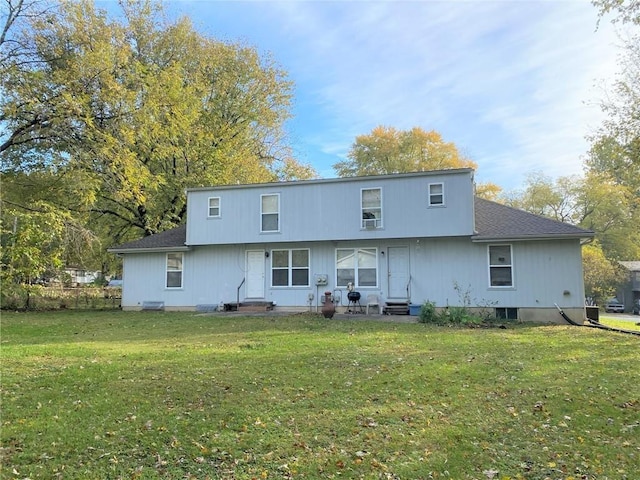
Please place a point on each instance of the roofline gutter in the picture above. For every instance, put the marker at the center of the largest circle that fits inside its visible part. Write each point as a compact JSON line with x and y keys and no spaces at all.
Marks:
{"x":583,"y":239}
{"x":317,"y":181}
{"x":116,"y":250}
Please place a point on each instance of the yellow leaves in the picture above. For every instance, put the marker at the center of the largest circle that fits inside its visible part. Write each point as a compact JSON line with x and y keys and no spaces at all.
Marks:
{"x":387,"y":150}
{"x":203,"y":449}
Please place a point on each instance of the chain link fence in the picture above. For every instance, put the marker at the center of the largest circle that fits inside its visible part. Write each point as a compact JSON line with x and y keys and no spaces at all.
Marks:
{"x":37,"y":297}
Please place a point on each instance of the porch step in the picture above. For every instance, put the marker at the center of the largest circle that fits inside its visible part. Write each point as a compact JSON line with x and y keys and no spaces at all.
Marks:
{"x":396,"y":308}
{"x":254,"y":308}
{"x":249,"y":306}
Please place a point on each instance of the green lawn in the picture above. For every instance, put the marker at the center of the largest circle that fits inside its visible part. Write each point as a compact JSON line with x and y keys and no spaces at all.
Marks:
{"x":110,"y":395}
{"x":614,"y":322}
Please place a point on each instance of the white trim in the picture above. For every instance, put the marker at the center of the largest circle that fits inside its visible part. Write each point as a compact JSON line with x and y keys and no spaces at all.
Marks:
{"x":430,"y":195}
{"x":166,"y":271}
{"x":277,"y":195}
{"x":255,"y":290}
{"x":509,"y":265}
{"x":356,"y":267}
{"x":290,"y":268}
{"x":219,"y":207}
{"x":366,"y":223}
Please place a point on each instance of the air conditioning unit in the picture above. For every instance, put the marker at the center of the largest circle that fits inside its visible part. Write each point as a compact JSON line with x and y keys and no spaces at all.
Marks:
{"x":370,"y":223}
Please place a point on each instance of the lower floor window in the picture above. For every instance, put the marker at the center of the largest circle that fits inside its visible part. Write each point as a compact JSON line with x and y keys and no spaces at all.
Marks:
{"x":290,"y":268}
{"x":174,"y":270}
{"x":358,"y":266}
{"x":503,"y":313}
{"x":500,"y":266}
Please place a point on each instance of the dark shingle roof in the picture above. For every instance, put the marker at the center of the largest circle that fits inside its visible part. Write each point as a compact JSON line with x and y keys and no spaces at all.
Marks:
{"x":169,"y":239}
{"x":497,"y":221}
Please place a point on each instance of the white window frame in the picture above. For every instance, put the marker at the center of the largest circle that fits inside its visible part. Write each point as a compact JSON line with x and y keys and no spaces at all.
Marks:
{"x":212,"y":207}
{"x":263,"y":213}
{"x":290,"y":268}
{"x":433,"y":195}
{"x":356,"y":267}
{"x":501,"y":264}
{"x":169,"y":269}
{"x":366,"y":222}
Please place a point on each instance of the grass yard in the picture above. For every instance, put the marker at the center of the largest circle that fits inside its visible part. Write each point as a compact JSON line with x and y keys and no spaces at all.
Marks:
{"x":610,"y":321}
{"x":117,"y":395}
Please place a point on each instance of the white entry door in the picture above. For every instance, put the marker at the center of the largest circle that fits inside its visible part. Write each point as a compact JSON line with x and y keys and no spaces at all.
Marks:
{"x":398,"y":272}
{"x":255,"y":274}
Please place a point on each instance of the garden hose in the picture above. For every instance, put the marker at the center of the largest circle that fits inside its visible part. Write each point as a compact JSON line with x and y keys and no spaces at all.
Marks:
{"x":594,"y":324}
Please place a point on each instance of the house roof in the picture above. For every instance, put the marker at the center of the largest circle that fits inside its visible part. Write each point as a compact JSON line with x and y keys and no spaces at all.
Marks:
{"x":633,"y":266}
{"x":495,"y":221}
{"x":174,"y":239}
{"x":315,"y":181}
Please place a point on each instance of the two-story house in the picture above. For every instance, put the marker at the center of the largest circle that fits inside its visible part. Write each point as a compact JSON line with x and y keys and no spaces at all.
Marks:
{"x":404,"y":238}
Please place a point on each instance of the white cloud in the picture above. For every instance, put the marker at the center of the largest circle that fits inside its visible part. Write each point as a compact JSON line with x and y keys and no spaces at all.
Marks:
{"x":511,"y":83}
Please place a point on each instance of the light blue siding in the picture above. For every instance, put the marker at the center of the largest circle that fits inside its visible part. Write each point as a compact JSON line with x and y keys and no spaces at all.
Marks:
{"x":445,"y":265}
{"x":545,"y":273}
{"x":331,"y":210}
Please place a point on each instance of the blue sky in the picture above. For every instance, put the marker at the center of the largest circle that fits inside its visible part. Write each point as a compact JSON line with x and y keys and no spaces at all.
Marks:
{"x":514,"y":84}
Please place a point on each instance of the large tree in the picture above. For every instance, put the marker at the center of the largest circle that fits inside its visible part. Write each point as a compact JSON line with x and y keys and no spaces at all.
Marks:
{"x":594,"y":202}
{"x":615,"y":147}
{"x":144,"y":108}
{"x":387,"y":150}
{"x":105,"y":120}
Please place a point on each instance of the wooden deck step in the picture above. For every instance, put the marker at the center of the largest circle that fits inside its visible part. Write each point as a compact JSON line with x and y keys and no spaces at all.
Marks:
{"x":249,"y":306}
{"x":254,"y":308}
{"x":396,"y":308}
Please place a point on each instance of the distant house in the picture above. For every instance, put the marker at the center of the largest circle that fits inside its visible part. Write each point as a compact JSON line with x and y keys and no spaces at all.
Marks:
{"x":629,"y":292}
{"x":404,"y":238}
{"x":80,"y":276}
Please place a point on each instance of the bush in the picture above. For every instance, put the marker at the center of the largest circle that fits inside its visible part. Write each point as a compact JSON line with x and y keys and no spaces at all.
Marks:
{"x":13,"y":296}
{"x":428,"y":313}
{"x":452,"y":315}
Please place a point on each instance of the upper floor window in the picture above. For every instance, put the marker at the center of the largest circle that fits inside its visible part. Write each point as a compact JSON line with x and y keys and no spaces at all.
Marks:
{"x":371,"y":202}
{"x":214,"y":206}
{"x":270,"y":213}
{"x":174,"y":270}
{"x":500,"y":266}
{"x":436,"y":194}
{"x":290,"y":268}
{"x":358,"y":266}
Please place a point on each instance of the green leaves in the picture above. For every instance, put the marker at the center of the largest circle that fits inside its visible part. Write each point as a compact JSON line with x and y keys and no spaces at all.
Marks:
{"x":132,"y":110}
{"x":387,"y":150}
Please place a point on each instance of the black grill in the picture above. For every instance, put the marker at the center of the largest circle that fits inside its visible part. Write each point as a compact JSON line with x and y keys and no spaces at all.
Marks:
{"x":353,"y":296}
